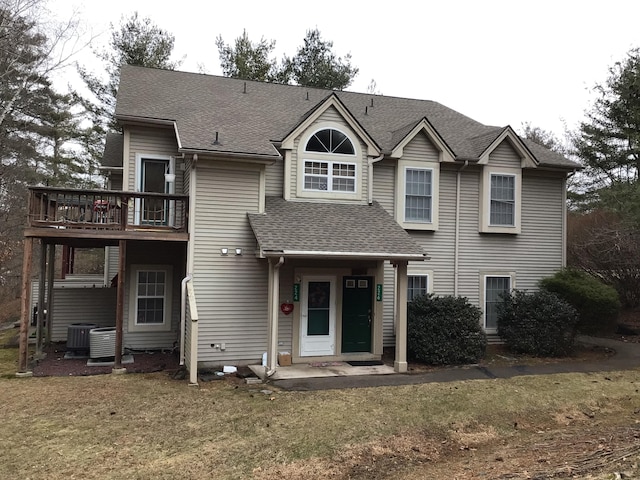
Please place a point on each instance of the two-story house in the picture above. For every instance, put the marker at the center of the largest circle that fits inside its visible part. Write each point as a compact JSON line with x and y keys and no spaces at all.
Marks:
{"x":252,"y":217}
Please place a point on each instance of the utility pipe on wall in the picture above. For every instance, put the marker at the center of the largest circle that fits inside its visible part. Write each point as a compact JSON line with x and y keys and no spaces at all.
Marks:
{"x":457,"y":232}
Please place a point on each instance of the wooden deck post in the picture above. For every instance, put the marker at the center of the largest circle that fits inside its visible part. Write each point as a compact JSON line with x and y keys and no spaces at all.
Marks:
{"x":117,"y":364}
{"x":23,"y":353}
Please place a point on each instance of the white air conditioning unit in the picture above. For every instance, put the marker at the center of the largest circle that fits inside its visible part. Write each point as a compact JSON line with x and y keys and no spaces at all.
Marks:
{"x":102,"y":342}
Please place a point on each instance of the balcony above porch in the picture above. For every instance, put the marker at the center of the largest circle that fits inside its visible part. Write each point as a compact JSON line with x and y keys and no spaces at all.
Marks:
{"x":106,"y":215}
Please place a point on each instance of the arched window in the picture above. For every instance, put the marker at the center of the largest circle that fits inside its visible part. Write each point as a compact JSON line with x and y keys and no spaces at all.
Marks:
{"x":322,"y":174}
{"x":330,"y":140}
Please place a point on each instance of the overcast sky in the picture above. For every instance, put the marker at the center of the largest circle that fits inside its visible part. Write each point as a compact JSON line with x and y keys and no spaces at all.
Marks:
{"x":499,"y":62}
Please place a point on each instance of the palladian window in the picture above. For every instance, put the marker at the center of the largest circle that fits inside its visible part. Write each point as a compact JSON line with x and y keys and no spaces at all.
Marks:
{"x":330,"y":173}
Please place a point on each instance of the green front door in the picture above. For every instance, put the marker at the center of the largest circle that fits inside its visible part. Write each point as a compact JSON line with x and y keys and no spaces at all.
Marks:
{"x":357,"y":314}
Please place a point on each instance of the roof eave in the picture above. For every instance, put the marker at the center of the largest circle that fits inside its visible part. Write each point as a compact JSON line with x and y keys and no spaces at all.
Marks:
{"x":345,"y":255}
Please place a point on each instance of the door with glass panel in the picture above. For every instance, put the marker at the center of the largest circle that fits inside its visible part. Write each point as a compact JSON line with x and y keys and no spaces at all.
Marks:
{"x":318,"y":316}
{"x":153,"y":211}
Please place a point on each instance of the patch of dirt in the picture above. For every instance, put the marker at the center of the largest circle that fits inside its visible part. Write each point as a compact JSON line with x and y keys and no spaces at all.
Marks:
{"x":55,"y":365}
{"x":499,"y":355}
{"x":585,"y":449}
{"x":628,"y":327}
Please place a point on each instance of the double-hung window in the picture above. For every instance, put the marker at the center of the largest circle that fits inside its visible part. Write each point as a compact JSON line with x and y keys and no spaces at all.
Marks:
{"x":417,"y":285}
{"x":417,"y":185}
{"x":503,"y":200}
{"x":329,"y":176}
{"x":495,"y":286}
{"x":151,"y":299}
{"x":418,"y":203}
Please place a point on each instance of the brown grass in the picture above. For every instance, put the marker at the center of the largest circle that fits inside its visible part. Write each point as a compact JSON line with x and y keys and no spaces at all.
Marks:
{"x":148,"y":426}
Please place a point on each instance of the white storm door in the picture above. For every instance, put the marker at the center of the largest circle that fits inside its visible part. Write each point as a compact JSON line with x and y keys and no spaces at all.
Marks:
{"x":318,"y":316}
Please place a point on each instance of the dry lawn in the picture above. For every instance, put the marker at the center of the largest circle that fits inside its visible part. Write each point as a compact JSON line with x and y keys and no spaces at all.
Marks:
{"x":152,"y":427}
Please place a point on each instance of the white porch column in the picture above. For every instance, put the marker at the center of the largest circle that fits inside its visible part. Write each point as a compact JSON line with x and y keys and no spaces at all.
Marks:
{"x":400,"y":363}
{"x":274,"y":295}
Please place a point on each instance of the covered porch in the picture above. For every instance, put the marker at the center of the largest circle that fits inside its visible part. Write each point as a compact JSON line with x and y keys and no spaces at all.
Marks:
{"x":333,"y":260}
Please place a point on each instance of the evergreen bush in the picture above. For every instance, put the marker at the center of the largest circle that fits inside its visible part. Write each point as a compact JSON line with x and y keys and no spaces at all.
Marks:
{"x":444,"y":330}
{"x":598,"y":305}
{"x":539,"y":323}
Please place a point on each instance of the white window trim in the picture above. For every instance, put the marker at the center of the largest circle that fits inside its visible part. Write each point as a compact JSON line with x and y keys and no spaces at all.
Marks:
{"x":483,"y":294}
{"x":485,"y":200}
{"x":329,"y":176}
{"x":420,"y":271}
{"x":304,"y":156}
{"x":138,"y":179}
{"x":165,"y":326}
{"x":403,"y":166}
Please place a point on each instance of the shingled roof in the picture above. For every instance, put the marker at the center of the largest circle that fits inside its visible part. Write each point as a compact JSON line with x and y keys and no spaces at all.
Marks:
{"x":331,"y":229}
{"x":249,"y":117}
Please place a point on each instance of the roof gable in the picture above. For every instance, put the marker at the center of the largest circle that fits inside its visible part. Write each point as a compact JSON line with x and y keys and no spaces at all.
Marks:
{"x":331,"y":102}
{"x":446,"y":154}
{"x":528,"y":160}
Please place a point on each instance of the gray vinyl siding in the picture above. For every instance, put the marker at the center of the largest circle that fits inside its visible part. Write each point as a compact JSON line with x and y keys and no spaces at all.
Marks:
{"x":152,"y":141}
{"x":115,"y":181}
{"x":112,"y":257}
{"x":231,"y":290}
{"x":285,"y":322}
{"x":78,"y":299}
{"x":171,"y":254}
{"x":332,"y":115}
{"x":420,"y":148}
{"x":504,"y":155}
{"x":533,"y":254}
{"x":384,"y":193}
{"x":384,"y":182}
{"x":274,"y":178}
{"x":388,"y":307}
{"x":440,"y":245}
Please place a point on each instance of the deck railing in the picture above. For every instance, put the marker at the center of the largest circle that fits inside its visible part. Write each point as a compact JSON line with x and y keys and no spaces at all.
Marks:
{"x":107,"y":210}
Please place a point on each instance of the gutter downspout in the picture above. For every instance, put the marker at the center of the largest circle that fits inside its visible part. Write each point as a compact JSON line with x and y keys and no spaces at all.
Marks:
{"x":456,"y":243}
{"x":183,"y":314}
{"x":274,"y":293}
{"x":371,"y":161}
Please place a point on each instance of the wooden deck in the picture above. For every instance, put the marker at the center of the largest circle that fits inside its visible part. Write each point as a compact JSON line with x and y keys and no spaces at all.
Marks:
{"x":106,"y":215}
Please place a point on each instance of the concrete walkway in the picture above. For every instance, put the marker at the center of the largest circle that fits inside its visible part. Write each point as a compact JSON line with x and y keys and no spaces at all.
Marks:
{"x":627,"y":357}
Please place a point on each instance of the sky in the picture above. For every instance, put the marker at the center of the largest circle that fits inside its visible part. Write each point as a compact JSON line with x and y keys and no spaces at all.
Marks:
{"x":498,"y":62}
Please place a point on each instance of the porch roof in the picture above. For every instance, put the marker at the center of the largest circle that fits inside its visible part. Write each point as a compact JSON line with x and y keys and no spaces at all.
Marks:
{"x":307,"y":229}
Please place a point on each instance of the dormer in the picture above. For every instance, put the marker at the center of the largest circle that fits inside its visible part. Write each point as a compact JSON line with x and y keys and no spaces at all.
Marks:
{"x":501,"y":183}
{"x":420,"y":152}
{"x":325,"y":156}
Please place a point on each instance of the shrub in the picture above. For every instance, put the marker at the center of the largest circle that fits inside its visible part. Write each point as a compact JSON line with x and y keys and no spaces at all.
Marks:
{"x":444,"y":330}
{"x":539,"y":323}
{"x":598,"y":305}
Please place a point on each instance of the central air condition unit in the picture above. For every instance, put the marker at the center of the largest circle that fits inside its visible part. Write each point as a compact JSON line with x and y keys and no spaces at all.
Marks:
{"x":102,"y":342}
{"x":78,"y":336}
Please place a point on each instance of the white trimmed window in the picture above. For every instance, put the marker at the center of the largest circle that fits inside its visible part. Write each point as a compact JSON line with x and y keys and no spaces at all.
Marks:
{"x":501,"y":200}
{"x":329,"y":166}
{"x":150,"y":305}
{"x":502,"y":207}
{"x":329,"y":176}
{"x":494,"y":287}
{"x":419,"y":281}
{"x":418,"y":200}
{"x":418,"y":195}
